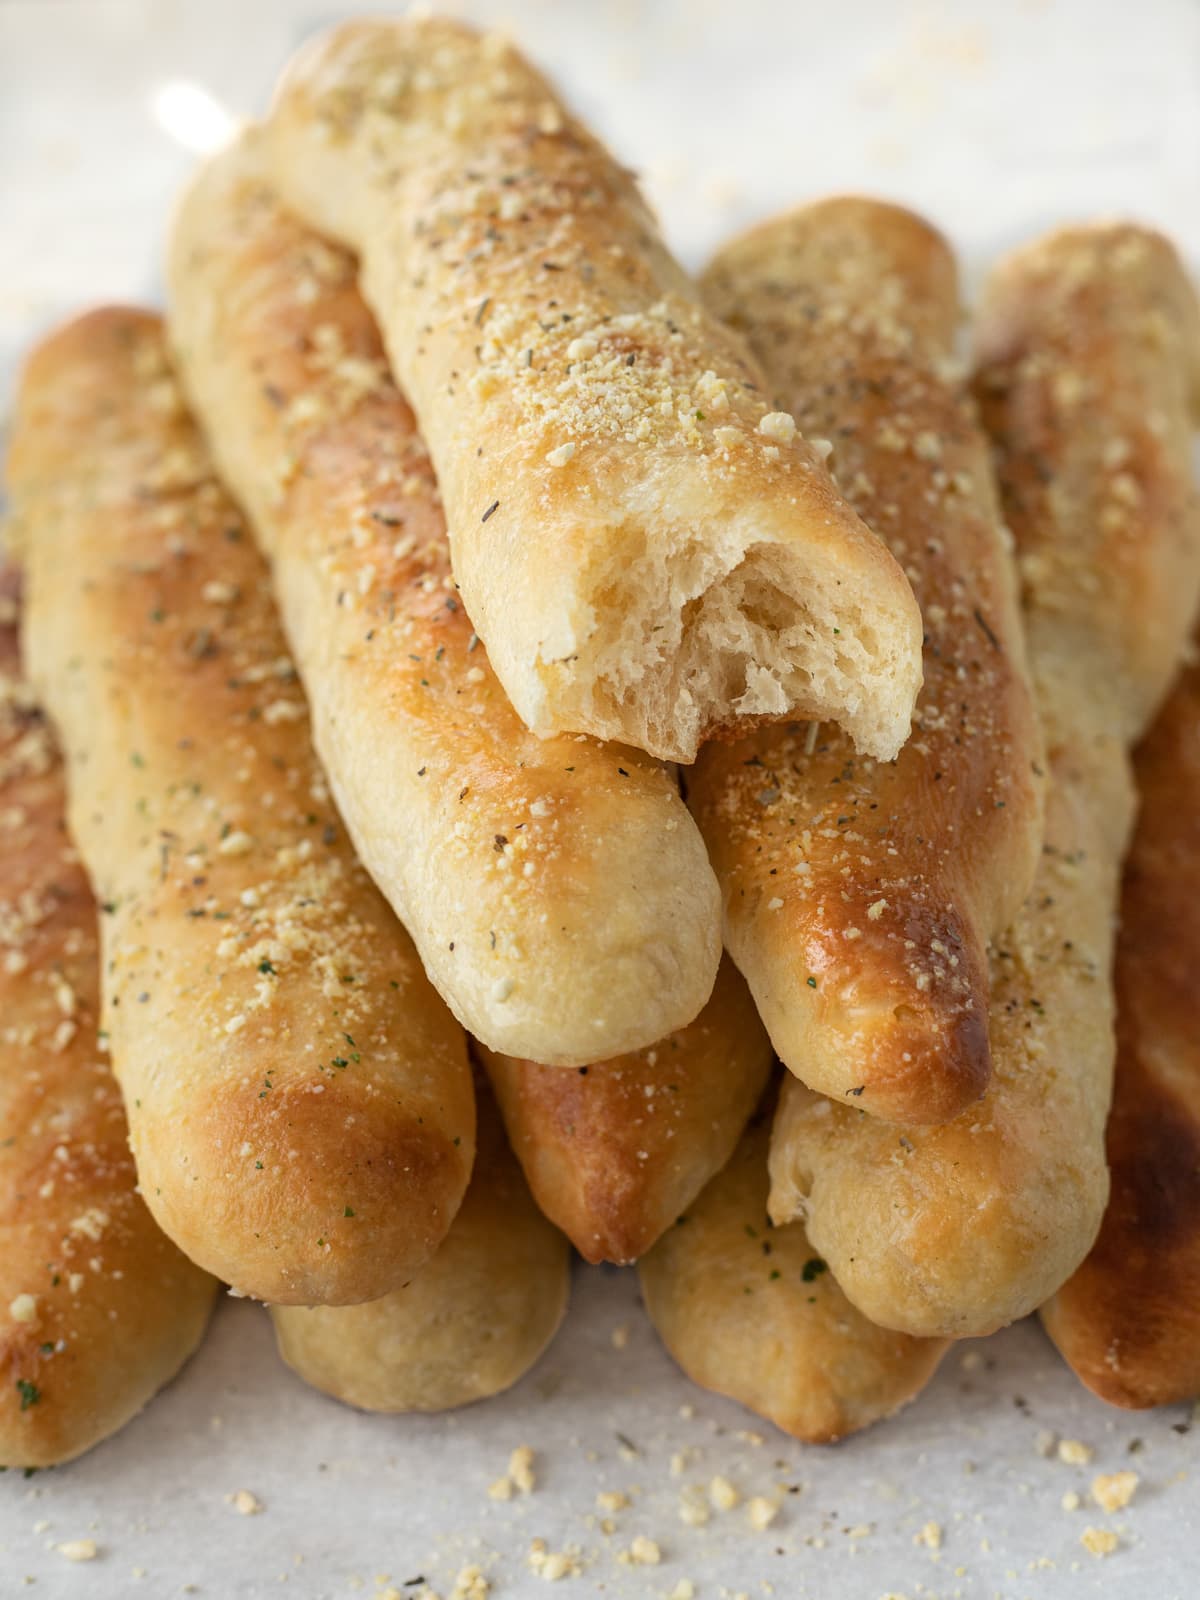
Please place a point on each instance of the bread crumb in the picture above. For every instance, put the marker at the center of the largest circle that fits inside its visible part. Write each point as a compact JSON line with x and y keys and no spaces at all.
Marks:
{"x":24,"y":1308}
{"x":723,"y":1494}
{"x":685,"y":1589}
{"x":620,"y":1336}
{"x":1114,"y":1490}
{"x":1074,"y":1453}
{"x":1099,"y":1541}
{"x":78,"y":1549}
{"x":245,"y":1503}
{"x":930,"y":1536}
{"x":1071,"y":1501}
{"x":761,"y":1512}
{"x":612,"y":1500}
{"x":1044,"y":1442}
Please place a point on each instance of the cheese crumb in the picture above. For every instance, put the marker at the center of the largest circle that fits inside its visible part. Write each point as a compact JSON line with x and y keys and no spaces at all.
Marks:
{"x":1114,"y":1490}
{"x":78,"y":1549}
{"x":612,"y":1500}
{"x":24,"y":1308}
{"x":560,"y":456}
{"x":246,"y":1504}
{"x":219,"y":594}
{"x":930,"y":1536}
{"x":620,"y":1336}
{"x":1071,"y":1501}
{"x":1099,"y":1541}
{"x":778,"y":425}
{"x":692,"y":1511}
{"x":1074,"y":1453}
{"x":876,"y":910}
{"x":470,"y":1584}
{"x":644,"y":1552}
{"x":551,"y":1565}
{"x":237,"y":843}
{"x":685,"y":1589}
{"x":761,"y":1512}
{"x":723,"y":1494}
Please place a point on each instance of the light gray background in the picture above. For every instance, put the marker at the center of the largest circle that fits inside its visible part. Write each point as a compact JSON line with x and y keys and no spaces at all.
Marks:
{"x":998,"y":119}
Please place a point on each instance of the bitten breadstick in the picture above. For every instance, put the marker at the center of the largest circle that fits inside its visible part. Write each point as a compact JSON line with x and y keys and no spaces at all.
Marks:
{"x":1129,"y":1320}
{"x":615,"y":1151}
{"x":751,"y":1311}
{"x":473,"y":1320}
{"x":860,"y":896}
{"x":97,"y":1309}
{"x":558,"y":890}
{"x":959,"y":1229}
{"x":300,"y":1102}
{"x":649,"y":551}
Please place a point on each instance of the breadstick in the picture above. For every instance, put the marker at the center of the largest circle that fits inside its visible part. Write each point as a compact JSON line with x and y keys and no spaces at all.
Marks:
{"x":558,"y":890}
{"x":1128,"y":1321}
{"x":750,"y":1311}
{"x":300,"y":1101}
{"x":959,"y":1229}
{"x":97,"y":1309}
{"x":860,"y":896}
{"x":473,"y":1320}
{"x":615,"y":1151}
{"x":648,"y":550}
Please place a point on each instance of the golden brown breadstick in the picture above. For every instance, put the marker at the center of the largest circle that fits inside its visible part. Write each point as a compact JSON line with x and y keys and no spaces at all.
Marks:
{"x":473,"y":1320}
{"x":752,"y":1312}
{"x":1128,"y":1321}
{"x":649,"y":551}
{"x":558,"y":890}
{"x":97,"y":1309}
{"x":615,"y":1151}
{"x":300,"y":1101}
{"x":956,"y":1230}
{"x":860,"y":896}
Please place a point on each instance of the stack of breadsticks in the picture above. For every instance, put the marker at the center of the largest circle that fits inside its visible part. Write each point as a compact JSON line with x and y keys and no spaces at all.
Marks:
{"x":378,"y":594}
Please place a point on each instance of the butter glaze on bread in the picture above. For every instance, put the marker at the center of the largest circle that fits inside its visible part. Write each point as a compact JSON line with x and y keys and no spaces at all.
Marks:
{"x":615,"y":1151}
{"x":558,"y":890}
{"x":751,"y":1312}
{"x":300,"y":1101}
{"x":97,"y":1309}
{"x":860,"y":896}
{"x":473,"y":1320}
{"x":957,"y":1230}
{"x":1128,"y":1321}
{"x":650,"y":553}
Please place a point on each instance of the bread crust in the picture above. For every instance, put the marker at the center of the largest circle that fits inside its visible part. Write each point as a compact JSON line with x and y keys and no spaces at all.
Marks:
{"x":750,"y":1311}
{"x":959,"y":1229}
{"x":615,"y":1151}
{"x":558,"y":890}
{"x":471,"y":1322}
{"x":860,"y":896}
{"x":97,"y":1309}
{"x":300,"y":1102}
{"x":1128,"y":1321}
{"x":645,"y":559}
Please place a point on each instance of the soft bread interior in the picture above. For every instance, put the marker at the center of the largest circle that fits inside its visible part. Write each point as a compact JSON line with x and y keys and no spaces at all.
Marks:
{"x":713,"y":625}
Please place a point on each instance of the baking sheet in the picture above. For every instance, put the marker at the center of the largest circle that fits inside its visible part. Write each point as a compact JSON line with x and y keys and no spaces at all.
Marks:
{"x":996,"y":119}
